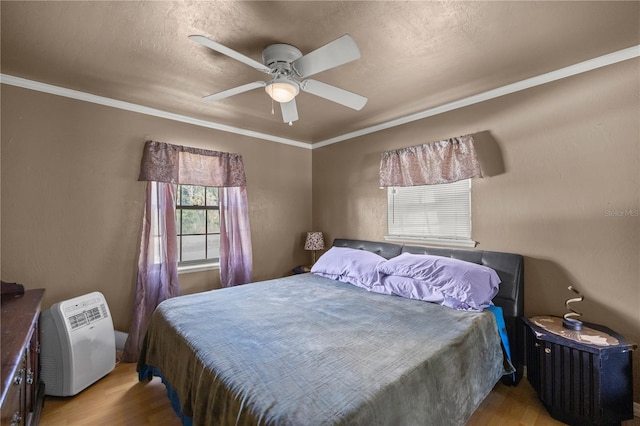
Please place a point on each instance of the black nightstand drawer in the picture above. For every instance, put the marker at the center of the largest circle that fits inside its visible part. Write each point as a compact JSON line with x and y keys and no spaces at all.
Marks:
{"x":580,"y":383}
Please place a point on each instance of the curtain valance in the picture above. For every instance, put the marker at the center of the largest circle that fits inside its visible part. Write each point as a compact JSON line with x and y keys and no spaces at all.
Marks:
{"x":163,"y":162}
{"x":444,"y":161}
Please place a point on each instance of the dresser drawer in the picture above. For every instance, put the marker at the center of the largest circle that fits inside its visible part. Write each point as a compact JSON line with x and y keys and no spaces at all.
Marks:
{"x":13,"y":405}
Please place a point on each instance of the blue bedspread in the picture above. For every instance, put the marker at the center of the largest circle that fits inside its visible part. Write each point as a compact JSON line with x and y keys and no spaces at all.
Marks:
{"x":307,"y":350}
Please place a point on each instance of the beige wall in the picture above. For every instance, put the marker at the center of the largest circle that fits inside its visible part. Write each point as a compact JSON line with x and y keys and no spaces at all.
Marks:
{"x":571,"y":157}
{"x":72,"y":205}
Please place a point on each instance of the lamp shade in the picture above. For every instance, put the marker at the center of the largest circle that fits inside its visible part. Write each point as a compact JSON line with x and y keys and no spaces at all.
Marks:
{"x":314,"y":241}
{"x":282,"y":90}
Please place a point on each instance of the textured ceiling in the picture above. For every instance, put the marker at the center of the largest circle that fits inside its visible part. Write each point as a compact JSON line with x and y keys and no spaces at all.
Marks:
{"x":415,"y":55}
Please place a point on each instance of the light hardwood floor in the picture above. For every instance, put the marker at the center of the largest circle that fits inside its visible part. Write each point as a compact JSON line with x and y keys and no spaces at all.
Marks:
{"x":119,"y":399}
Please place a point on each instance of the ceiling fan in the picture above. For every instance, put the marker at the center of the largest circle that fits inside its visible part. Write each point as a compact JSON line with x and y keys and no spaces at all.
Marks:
{"x":289,"y":70}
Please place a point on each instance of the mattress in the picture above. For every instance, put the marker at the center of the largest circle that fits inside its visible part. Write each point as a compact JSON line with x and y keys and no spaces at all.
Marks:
{"x":307,"y":350}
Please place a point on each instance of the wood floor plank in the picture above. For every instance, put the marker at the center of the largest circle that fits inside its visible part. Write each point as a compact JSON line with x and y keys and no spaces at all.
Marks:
{"x":120,"y":400}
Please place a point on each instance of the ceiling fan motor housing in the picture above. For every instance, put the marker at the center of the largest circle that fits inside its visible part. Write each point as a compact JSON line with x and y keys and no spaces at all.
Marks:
{"x":278,"y":57}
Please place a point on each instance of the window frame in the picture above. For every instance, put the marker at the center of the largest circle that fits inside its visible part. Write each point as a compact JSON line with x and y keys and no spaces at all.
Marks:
{"x":426,"y":238}
{"x":197,"y":264}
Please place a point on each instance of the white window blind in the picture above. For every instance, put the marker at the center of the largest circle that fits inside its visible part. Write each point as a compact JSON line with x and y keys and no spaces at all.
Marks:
{"x":432,"y":213}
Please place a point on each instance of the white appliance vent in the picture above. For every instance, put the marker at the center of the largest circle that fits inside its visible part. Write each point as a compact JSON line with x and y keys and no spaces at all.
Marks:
{"x":77,"y":344}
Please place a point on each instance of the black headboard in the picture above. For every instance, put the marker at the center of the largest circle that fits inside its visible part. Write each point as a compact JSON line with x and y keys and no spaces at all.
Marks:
{"x":386,"y":250}
{"x":510,"y":297}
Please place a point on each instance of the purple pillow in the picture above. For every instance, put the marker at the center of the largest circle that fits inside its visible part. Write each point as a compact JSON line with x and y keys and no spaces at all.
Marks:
{"x":460,"y":285}
{"x":412,"y":288}
{"x":357,"y":267}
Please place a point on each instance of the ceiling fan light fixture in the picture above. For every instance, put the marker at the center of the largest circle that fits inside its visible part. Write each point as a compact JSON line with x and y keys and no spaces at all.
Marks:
{"x":282,"y":90}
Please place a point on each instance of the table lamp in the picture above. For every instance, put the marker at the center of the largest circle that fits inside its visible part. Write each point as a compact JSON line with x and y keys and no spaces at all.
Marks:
{"x":314,"y":242}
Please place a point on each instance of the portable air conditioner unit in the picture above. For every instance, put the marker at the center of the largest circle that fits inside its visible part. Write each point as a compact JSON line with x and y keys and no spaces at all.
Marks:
{"x":77,"y":344}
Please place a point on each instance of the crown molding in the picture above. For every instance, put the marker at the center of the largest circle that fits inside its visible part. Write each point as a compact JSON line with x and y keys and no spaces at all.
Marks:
{"x":128,"y":106}
{"x":589,"y":65}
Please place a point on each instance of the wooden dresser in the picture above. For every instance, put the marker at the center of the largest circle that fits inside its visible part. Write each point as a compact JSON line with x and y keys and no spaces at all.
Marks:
{"x":22,"y":390}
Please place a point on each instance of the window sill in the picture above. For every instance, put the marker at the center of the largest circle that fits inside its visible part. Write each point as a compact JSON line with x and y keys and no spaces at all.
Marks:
{"x":435,"y":241}
{"x":186,"y":269}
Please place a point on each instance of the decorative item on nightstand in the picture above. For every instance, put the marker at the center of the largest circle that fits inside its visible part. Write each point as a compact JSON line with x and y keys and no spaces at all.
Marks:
{"x":570,"y":318}
{"x":314,"y":242}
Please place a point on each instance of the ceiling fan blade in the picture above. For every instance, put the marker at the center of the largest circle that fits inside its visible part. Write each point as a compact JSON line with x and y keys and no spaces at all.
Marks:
{"x":289,"y":111}
{"x":235,"y":91}
{"x":338,"y":52}
{"x":230,"y":53}
{"x":334,"y":94}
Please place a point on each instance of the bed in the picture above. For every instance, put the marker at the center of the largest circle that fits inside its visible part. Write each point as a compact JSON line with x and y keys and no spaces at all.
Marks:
{"x":311,"y":350}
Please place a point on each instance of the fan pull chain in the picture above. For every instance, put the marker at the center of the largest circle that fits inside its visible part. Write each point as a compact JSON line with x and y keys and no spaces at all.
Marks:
{"x":273,"y":79}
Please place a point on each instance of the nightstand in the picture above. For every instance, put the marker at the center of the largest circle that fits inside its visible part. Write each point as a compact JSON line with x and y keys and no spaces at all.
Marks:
{"x":302,"y":269}
{"x":582,"y":377}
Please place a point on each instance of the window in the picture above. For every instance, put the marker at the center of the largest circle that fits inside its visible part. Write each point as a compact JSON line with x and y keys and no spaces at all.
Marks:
{"x":197,"y":225}
{"x":431,"y":213}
